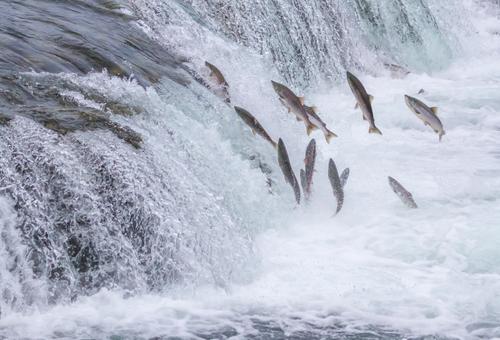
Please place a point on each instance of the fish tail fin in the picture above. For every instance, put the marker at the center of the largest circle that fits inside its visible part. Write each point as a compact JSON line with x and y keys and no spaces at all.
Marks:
{"x":339,"y":207}
{"x":310,"y":128}
{"x":340,"y":204}
{"x":329,"y":135}
{"x":441,"y":134}
{"x":374,"y":129}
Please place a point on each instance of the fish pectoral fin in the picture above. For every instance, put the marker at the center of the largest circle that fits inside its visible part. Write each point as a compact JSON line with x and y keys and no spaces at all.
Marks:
{"x":253,"y":131}
{"x":314,"y":109}
{"x":427,"y":124}
{"x":434,"y":110}
{"x":298,"y":119}
{"x":302,"y":100}
{"x":356,"y":106}
{"x":371,"y":98}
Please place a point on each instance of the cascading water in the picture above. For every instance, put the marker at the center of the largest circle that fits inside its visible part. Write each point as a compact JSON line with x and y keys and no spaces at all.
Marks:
{"x":310,"y":41}
{"x":134,"y":203}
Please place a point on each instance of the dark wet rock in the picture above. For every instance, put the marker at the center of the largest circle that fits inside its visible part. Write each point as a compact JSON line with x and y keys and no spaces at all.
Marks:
{"x":122,"y":109}
{"x":56,"y":126}
{"x":75,"y":37}
{"x":64,"y":120}
{"x":4,"y":119}
{"x":79,"y":37}
{"x":95,"y":120}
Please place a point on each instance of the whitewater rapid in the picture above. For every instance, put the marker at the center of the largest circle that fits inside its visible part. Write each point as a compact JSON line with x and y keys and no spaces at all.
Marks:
{"x":433,"y":270}
{"x":378,"y":270}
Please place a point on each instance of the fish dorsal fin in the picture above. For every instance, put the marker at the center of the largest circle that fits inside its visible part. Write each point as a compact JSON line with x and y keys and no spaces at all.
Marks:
{"x":371,"y":98}
{"x":301,"y":99}
{"x":434,"y":110}
{"x":314,"y":109}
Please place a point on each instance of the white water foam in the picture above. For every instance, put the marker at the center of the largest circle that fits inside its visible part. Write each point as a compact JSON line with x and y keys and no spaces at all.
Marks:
{"x":434,"y":270}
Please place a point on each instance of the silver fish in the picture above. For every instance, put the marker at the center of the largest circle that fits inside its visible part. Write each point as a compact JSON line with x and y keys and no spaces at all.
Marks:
{"x":338,"y":191}
{"x":303,"y":183}
{"x":286,"y":168}
{"x":220,"y":81}
{"x":363,"y":101}
{"x":405,"y":196}
{"x":344,"y":176}
{"x":294,"y":104}
{"x":397,"y":71}
{"x":254,"y":124}
{"x":426,"y":114}
{"x":309,"y":161}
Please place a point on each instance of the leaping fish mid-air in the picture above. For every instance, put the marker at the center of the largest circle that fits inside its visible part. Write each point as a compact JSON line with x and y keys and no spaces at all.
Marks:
{"x":306,"y":176}
{"x":344,"y":176}
{"x":294,"y":104}
{"x":363,"y":101}
{"x":222,"y":86}
{"x":338,"y":190}
{"x":426,"y":114}
{"x":286,"y":168}
{"x":254,"y":124}
{"x":403,"y":194}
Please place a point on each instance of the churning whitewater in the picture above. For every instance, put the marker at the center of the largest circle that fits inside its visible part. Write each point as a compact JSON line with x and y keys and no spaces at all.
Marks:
{"x":157,"y":179}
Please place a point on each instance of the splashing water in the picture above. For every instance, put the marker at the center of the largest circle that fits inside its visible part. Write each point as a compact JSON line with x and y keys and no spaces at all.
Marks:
{"x":135,"y":204}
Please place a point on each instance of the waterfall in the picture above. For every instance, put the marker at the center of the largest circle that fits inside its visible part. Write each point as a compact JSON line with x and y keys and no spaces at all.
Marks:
{"x":125,"y":182}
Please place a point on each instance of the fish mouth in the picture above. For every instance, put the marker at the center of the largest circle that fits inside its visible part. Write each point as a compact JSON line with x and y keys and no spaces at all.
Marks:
{"x":276,"y":85}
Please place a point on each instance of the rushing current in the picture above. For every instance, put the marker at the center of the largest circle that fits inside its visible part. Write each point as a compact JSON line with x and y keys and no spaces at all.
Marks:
{"x":136,"y":204}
